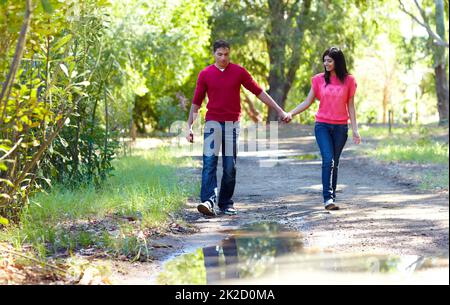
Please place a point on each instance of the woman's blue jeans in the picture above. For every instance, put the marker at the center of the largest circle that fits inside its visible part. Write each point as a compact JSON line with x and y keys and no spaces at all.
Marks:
{"x":331,"y":139}
{"x":219,"y":135}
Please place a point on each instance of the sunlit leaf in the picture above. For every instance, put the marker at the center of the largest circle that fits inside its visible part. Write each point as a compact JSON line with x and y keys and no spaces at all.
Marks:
{"x":26,"y":120}
{"x":3,"y":166}
{"x":4,"y":148}
{"x":62,"y":42}
{"x":4,"y":221}
{"x":64,"y":69}
{"x":63,"y":142}
{"x":84,"y":83}
{"x":48,"y":181}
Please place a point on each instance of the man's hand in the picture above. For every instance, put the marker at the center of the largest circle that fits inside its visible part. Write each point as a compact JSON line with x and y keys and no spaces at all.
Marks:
{"x":190,"y":136}
{"x":193,"y":114}
{"x":356,"y":137}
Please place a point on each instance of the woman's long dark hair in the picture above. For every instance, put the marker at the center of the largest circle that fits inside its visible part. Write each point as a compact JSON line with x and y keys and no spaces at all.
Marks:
{"x":340,"y":66}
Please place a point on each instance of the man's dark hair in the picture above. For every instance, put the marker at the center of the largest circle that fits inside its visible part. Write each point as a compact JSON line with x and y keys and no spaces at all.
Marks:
{"x":220,"y":44}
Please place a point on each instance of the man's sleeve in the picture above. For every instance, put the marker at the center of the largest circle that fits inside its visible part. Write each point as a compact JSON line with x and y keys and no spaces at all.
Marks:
{"x":200,"y":90}
{"x":249,"y":83}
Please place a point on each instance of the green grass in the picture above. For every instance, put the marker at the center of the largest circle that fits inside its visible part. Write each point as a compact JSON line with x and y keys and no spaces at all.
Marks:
{"x":307,"y":157}
{"x":430,"y":180}
{"x":382,"y":132}
{"x":146,"y":186}
{"x":436,"y":153}
{"x":424,"y":144}
{"x":421,"y":144}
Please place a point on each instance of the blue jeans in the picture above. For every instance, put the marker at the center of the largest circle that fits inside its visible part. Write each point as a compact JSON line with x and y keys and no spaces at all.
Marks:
{"x":219,"y":135}
{"x":331,"y":139}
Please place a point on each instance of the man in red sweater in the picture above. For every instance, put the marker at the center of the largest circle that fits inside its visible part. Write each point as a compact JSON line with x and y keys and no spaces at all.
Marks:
{"x":222,"y":82}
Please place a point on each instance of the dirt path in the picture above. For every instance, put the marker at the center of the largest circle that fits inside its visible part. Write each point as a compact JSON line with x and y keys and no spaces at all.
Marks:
{"x":379,"y":213}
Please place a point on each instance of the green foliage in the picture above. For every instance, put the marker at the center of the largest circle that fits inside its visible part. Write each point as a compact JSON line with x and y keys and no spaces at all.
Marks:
{"x":91,"y":164}
{"x":144,"y":186}
{"x":57,"y":119}
{"x":48,"y":8}
{"x":162,"y":58}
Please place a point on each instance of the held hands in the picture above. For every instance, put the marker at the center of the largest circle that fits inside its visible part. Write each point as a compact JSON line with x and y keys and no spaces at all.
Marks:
{"x":356,"y":137}
{"x":285,"y":116}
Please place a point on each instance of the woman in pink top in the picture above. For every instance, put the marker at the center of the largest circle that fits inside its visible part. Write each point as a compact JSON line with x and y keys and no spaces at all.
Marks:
{"x":335,"y":89}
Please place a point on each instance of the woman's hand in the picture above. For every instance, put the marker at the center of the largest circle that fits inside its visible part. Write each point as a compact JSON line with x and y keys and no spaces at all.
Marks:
{"x":356,"y":137}
{"x":288,"y":117}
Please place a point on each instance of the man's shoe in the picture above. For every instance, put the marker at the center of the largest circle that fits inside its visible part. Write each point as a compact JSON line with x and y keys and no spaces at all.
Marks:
{"x":206,"y":208}
{"x":330,"y":206}
{"x":229,"y":211}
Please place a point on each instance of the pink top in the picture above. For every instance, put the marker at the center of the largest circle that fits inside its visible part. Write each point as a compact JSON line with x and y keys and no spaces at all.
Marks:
{"x":333,"y":107}
{"x":224,"y":91}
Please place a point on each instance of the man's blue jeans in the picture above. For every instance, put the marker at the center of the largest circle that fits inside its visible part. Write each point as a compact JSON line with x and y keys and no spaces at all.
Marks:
{"x":331,"y":139}
{"x":219,"y":135}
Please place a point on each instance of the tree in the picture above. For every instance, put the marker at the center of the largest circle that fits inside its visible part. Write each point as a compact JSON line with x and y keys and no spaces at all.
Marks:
{"x":281,"y":37}
{"x":280,"y":42}
{"x":163,"y":55}
{"x":50,"y":127}
{"x":439,"y":49}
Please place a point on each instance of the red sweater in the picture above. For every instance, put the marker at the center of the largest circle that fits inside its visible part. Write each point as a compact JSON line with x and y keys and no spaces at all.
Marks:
{"x":223,"y":88}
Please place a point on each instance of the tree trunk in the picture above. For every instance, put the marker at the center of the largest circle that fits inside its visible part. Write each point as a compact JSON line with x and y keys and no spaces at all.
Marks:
{"x":283,"y":68}
{"x":385,"y":102}
{"x":6,"y":90}
{"x":276,"y":43}
{"x":276,"y":92}
{"x":105,"y":148}
{"x":442,"y":93}
{"x":440,"y":66}
{"x":91,"y":134}
{"x":133,"y":128}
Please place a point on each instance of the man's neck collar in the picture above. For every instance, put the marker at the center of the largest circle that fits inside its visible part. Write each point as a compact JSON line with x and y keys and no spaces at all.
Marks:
{"x":221,"y":68}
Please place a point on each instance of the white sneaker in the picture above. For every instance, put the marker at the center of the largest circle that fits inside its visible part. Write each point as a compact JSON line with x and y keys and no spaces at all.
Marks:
{"x":206,"y":208}
{"x":329,"y":205}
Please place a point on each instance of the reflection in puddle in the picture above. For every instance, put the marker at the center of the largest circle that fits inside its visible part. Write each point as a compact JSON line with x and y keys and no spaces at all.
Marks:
{"x":266,"y":253}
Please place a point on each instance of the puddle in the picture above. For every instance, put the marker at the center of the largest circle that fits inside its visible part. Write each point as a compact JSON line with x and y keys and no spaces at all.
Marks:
{"x":268,"y":253}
